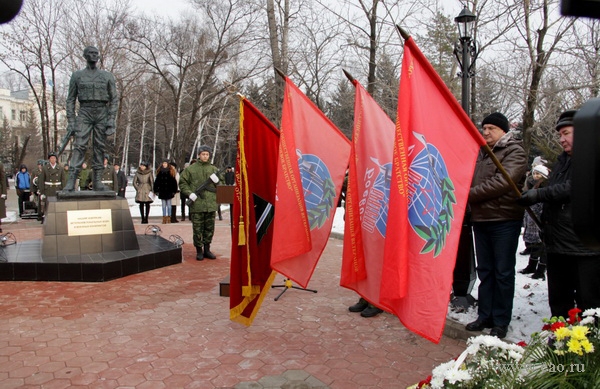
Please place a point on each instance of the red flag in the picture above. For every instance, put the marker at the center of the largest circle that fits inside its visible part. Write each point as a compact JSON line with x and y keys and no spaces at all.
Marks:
{"x":435,"y":149}
{"x":313,"y":158}
{"x":367,"y":197}
{"x":256,"y":171}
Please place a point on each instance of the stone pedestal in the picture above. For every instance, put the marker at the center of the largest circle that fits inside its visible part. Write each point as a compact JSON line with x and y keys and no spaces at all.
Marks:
{"x":87,"y":225}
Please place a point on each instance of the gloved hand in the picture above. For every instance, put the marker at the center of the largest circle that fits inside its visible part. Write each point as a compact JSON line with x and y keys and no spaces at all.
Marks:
{"x":214,"y":178}
{"x":3,"y":196}
{"x":529,"y":197}
{"x":193,"y":197}
{"x":43,"y":197}
{"x":110,"y":128}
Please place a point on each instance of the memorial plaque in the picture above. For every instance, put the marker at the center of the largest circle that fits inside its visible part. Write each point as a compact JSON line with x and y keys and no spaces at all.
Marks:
{"x":89,"y":222}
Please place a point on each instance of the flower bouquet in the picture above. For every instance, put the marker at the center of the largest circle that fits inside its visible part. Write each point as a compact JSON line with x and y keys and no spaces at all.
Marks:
{"x":565,"y":354}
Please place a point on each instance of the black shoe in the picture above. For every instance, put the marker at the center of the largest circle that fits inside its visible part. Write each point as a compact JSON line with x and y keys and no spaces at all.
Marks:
{"x":499,"y":332}
{"x":531,"y":266}
{"x":207,"y":253}
{"x":527,"y":251}
{"x":479,"y":325}
{"x":371,"y":311}
{"x":199,"y":254}
{"x":360,"y":306}
{"x":540,"y":273}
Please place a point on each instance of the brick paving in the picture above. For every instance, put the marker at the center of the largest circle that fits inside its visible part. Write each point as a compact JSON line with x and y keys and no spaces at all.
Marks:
{"x":169,"y":328}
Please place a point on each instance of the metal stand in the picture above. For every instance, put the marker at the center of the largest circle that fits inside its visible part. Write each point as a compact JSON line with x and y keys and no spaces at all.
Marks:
{"x":6,"y":239}
{"x":287,"y":284}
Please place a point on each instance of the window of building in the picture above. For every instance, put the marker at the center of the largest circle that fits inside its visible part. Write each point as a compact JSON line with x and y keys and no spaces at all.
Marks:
{"x":14,"y":114}
{"x":23,"y":116}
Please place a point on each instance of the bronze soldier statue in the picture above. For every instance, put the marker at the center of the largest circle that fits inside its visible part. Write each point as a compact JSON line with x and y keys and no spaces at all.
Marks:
{"x":96,"y":92}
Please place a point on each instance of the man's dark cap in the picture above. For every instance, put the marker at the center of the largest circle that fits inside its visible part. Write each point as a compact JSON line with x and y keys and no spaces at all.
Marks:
{"x":204,"y":148}
{"x":565,"y":119}
{"x":497,"y":119}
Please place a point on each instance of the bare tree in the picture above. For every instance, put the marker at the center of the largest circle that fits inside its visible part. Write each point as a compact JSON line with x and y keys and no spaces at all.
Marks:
{"x":535,"y":32}
{"x":188,"y":56}
{"x":316,"y":61}
{"x":32,"y":50}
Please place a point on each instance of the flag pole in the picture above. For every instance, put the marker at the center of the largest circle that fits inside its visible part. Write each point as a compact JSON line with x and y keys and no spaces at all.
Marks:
{"x":512,"y":184}
{"x":348,"y":75}
{"x":282,"y":74}
{"x":403,"y":33}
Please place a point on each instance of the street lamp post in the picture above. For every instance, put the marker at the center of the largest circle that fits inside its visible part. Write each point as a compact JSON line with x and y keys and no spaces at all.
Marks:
{"x":468,"y":50}
{"x":464,"y":270}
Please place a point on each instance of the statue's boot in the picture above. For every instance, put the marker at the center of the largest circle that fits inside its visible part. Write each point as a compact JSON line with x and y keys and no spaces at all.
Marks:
{"x":70,"y":185}
{"x":97,"y":184}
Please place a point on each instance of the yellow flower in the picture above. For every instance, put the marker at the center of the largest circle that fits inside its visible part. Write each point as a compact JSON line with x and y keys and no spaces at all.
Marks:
{"x":587,"y":346}
{"x":562,"y":333}
{"x":575,"y":346}
{"x":579,"y":332}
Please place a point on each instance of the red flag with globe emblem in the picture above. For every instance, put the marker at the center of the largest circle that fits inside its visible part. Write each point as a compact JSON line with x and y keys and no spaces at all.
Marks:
{"x":367,"y":197}
{"x":435,"y":150}
{"x":313,"y":158}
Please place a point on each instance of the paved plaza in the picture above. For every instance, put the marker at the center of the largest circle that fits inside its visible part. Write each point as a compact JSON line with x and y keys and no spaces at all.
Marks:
{"x":170,"y":328}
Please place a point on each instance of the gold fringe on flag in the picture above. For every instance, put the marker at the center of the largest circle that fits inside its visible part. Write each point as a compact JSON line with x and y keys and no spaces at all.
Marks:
{"x":241,"y":232}
{"x":245,"y":201}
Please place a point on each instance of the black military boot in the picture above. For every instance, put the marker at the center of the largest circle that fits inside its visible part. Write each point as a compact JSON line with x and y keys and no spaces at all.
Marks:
{"x":359,"y":306}
{"x":207,"y":253}
{"x":174,"y":214}
{"x":199,"y":254}
{"x":70,"y":185}
{"x":97,"y":184}
{"x":530,"y":267}
{"x":540,"y":272}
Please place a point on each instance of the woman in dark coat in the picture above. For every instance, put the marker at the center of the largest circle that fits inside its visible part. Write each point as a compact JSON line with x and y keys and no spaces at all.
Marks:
{"x":143,"y":182}
{"x":165,"y":187}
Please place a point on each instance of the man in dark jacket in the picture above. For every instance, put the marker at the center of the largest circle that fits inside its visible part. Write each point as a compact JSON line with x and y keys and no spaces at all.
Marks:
{"x":497,"y":223}
{"x":573,"y":270}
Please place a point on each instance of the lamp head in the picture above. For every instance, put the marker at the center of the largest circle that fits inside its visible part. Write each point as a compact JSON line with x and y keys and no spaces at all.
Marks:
{"x":465,"y":22}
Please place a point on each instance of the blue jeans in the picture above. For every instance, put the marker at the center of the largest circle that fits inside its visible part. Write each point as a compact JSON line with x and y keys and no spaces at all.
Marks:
{"x":495,"y":248}
{"x":166,"y":207}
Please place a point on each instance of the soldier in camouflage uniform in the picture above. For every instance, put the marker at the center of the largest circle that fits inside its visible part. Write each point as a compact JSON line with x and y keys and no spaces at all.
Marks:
{"x":96,"y":92}
{"x":204,"y":206}
{"x":52,"y":179}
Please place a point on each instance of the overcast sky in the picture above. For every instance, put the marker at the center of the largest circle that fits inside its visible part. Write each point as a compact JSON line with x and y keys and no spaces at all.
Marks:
{"x":171,"y":8}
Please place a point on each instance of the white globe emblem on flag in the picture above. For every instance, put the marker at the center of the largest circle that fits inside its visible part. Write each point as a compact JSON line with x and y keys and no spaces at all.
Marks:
{"x":431,"y":197}
{"x":318,"y":188}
